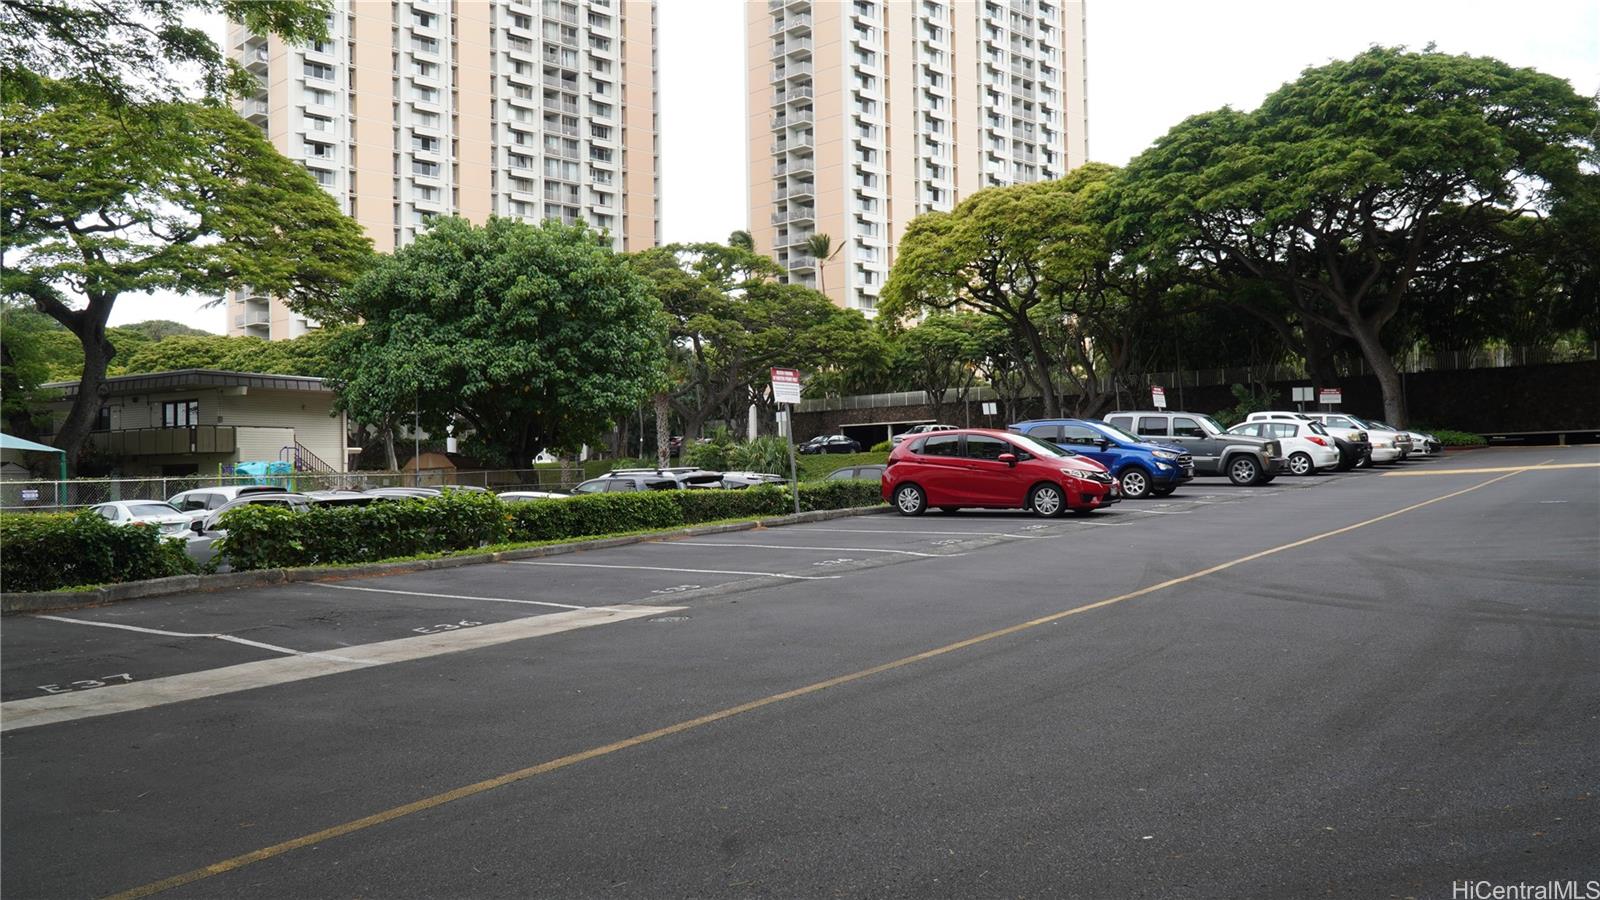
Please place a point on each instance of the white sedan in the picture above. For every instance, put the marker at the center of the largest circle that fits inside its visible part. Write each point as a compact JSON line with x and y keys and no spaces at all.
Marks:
{"x":164,"y":516}
{"x":1307,"y":446}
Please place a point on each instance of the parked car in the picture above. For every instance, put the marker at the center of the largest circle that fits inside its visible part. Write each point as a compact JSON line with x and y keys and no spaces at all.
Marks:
{"x":830,"y":443}
{"x":1307,"y":446}
{"x":163,"y":516}
{"x":1385,"y":443}
{"x":207,"y":530}
{"x":670,"y":479}
{"x":1355,"y":450}
{"x":403,"y":493}
{"x":1143,"y":469}
{"x":915,"y":430}
{"x":521,"y":496}
{"x":1244,"y":459}
{"x":198,"y":501}
{"x":340,"y":498}
{"x":736,"y":480}
{"x":974,"y":467}
{"x":856,"y":473}
{"x":1421,"y":444}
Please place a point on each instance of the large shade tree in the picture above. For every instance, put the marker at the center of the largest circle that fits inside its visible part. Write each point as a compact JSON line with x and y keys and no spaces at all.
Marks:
{"x":534,"y":336}
{"x":93,"y":208}
{"x":1361,"y":179}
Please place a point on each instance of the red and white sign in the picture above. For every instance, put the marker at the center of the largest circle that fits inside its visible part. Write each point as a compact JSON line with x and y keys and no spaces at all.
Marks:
{"x":1332,"y":396}
{"x":786,"y":385}
{"x":1158,"y":396}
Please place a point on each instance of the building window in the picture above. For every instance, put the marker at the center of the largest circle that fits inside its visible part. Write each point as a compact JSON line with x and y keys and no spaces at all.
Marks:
{"x":319,"y":97}
{"x":324,"y":177}
{"x":423,"y":167}
{"x":319,"y":70}
{"x":424,"y":44}
{"x":180,"y":413}
{"x":102,"y":419}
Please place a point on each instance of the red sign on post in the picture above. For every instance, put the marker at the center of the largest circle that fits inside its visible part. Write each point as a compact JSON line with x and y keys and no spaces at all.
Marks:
{"x":785,"y":385}
{"x":1331,"y":396}
{"x":1158,"y":396}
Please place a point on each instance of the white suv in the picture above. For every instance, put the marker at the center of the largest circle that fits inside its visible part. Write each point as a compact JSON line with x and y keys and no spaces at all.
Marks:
{"x":919,"y":429}
{"x":1307,"y":445}
{"x":1387,"y":445}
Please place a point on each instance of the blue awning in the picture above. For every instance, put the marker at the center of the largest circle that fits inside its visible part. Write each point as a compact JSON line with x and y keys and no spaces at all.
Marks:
{"x":7,"y":442}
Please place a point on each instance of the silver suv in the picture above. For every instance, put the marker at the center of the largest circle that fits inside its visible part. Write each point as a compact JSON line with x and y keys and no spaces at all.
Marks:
{"x":1243,"y":459}
{"x":671,"y":479}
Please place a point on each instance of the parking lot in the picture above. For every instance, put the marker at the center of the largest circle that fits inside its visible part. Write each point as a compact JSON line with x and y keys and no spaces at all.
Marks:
{"x":1362,"y":683}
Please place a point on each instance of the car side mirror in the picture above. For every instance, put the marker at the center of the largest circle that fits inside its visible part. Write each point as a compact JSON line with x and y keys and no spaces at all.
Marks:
{"x":1009,"y":459}
{"x":198,"y":526}
{"x":1104,"y":443}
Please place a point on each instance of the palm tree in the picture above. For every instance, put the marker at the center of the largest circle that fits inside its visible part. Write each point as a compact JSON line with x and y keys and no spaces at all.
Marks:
{"x":821,"y":246}
{"x":742,"y":240}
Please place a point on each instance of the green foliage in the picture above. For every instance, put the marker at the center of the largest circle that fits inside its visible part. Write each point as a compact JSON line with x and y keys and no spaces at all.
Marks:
{"x":883,"y":446}
{"x":46,"y":551}
{"x":1451,"y":438}
{"x":261,"y":537}
{"x":310,"y":354}
{"x":94,"y":206}
{"x":269,"y":537}
{"x":818,"y":465}
{"x":133,"y":51}
{"x":767,"y":453}
{"x":1247,"y":400}
{"x":714,"y":454}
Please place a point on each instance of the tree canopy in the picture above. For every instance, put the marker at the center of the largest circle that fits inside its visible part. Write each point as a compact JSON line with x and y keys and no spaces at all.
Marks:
{"x":92,"y":209}
{"x":535,"y":336}
{"x":1360,"y":180}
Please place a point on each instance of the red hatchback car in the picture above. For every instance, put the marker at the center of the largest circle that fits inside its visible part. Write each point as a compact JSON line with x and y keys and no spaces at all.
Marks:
{"x":988,"y":469}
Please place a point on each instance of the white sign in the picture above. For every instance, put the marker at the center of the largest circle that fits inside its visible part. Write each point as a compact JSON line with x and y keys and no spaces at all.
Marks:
{"x":1302,"y":394}
{"x":1332,"y":396}
{"x":1158,"y":396}
{"x":991,"y":408}
{"x":786,"y":385}
{"x":30,"y":494}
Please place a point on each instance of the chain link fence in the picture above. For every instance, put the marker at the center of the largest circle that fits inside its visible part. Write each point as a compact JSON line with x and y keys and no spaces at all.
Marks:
{"x":17,"y":496}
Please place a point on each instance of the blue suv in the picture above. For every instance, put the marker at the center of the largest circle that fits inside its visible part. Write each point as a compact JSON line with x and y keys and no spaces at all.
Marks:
{"x":1145,"y":469}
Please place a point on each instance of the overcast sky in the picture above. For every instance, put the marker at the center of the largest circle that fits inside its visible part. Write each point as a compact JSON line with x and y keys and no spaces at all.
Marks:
{"x":1151,"y":64}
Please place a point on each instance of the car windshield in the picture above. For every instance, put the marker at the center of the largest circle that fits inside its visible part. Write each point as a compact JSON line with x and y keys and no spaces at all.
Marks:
{"x":1216,"y":427}
{"x":152,"y":509}
{"x":1038,"y":448}
{"x":1370,"y":424}
{"x":1115,"y":432}
{"x":1316,"y":428}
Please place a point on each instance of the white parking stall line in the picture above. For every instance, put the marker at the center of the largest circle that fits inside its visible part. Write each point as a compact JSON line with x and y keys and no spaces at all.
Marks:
{"x":35,"y":711}
{"x":529,"y":562}
{"x":287,"y":651}
{"x":1156,"y":512}
{"x":353,"y":587}
{"x":796,"y":547}
{"x":1025,"y":537}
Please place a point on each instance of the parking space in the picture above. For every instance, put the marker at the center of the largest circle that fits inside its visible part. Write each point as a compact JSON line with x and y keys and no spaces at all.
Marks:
{"x":111,"y":647}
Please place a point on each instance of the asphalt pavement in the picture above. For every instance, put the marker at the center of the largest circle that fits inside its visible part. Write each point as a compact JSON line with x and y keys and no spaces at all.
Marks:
{"x":1376,"y":683}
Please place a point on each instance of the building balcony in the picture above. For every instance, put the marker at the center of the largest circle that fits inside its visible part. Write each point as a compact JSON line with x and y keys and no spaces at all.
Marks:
{"x":166,"y":441}
{"x":254,"y":110}
{"x":802,"y":262}
{"x":792,"y":23}
{"x":791,"y":71}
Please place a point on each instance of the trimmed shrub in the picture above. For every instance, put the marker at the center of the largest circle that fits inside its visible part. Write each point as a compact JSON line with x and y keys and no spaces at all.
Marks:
{"x":882,"y":447}
{"x":46,"y":551}
{"x":840,"y":495}
{"x":708,"y":506}
{"x":266,"y":537}
{"x":592,"y":514}
{"x":1457,"y":438}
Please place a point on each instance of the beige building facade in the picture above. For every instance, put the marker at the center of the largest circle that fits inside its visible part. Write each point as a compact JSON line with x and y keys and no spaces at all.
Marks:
{"x":863,"y":114}
{"x":533,"y":109}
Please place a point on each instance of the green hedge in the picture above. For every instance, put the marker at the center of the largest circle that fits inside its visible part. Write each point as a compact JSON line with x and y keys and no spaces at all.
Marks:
{"x":46,"y":551}
{"x":262,"y":537}
{"x":1458,"y":438}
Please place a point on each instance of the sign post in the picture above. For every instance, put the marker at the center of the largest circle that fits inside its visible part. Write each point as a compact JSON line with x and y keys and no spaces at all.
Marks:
{"x":1302,"y":396}
{"x":786,"y":390}
{"x":990,"y":407}
{"x":1331,"y":397}
{"x":1158,"y":396}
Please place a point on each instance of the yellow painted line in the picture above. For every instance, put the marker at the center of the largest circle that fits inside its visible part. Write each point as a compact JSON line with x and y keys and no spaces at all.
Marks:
{"x":1538,"y":467}
{"x":460,"y":793}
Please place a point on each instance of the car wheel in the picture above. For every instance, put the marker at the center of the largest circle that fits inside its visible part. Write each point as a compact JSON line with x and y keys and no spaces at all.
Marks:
{"x":1135,"y":484}
{"x":1301,"y":464}
{"x":949,"y":509}
{"x":1243,"y":470}
{"x":910,"y":500}
{"x":1163,"y":492}
{"x":1047,"y":500}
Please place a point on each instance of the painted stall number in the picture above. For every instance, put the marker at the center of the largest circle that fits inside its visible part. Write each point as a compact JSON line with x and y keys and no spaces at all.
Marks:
{"x":1034,"y":527}
{"x":946,"y":543}
{"x":834,"y":562}
{"x":676,"y":589}
{"x":88,"y":684}
{"x":448,"y":626}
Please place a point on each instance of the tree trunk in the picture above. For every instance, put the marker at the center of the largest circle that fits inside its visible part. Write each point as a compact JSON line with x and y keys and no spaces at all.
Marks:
{"x":1042,"y":364}
{"x":663,"y":430}
{"x":1394,"y":398}
{"x":89,"y":325}
{"x":389,"y":457}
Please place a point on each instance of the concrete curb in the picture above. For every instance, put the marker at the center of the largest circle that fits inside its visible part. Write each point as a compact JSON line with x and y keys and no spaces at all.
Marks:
{"x":51,"y":601}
